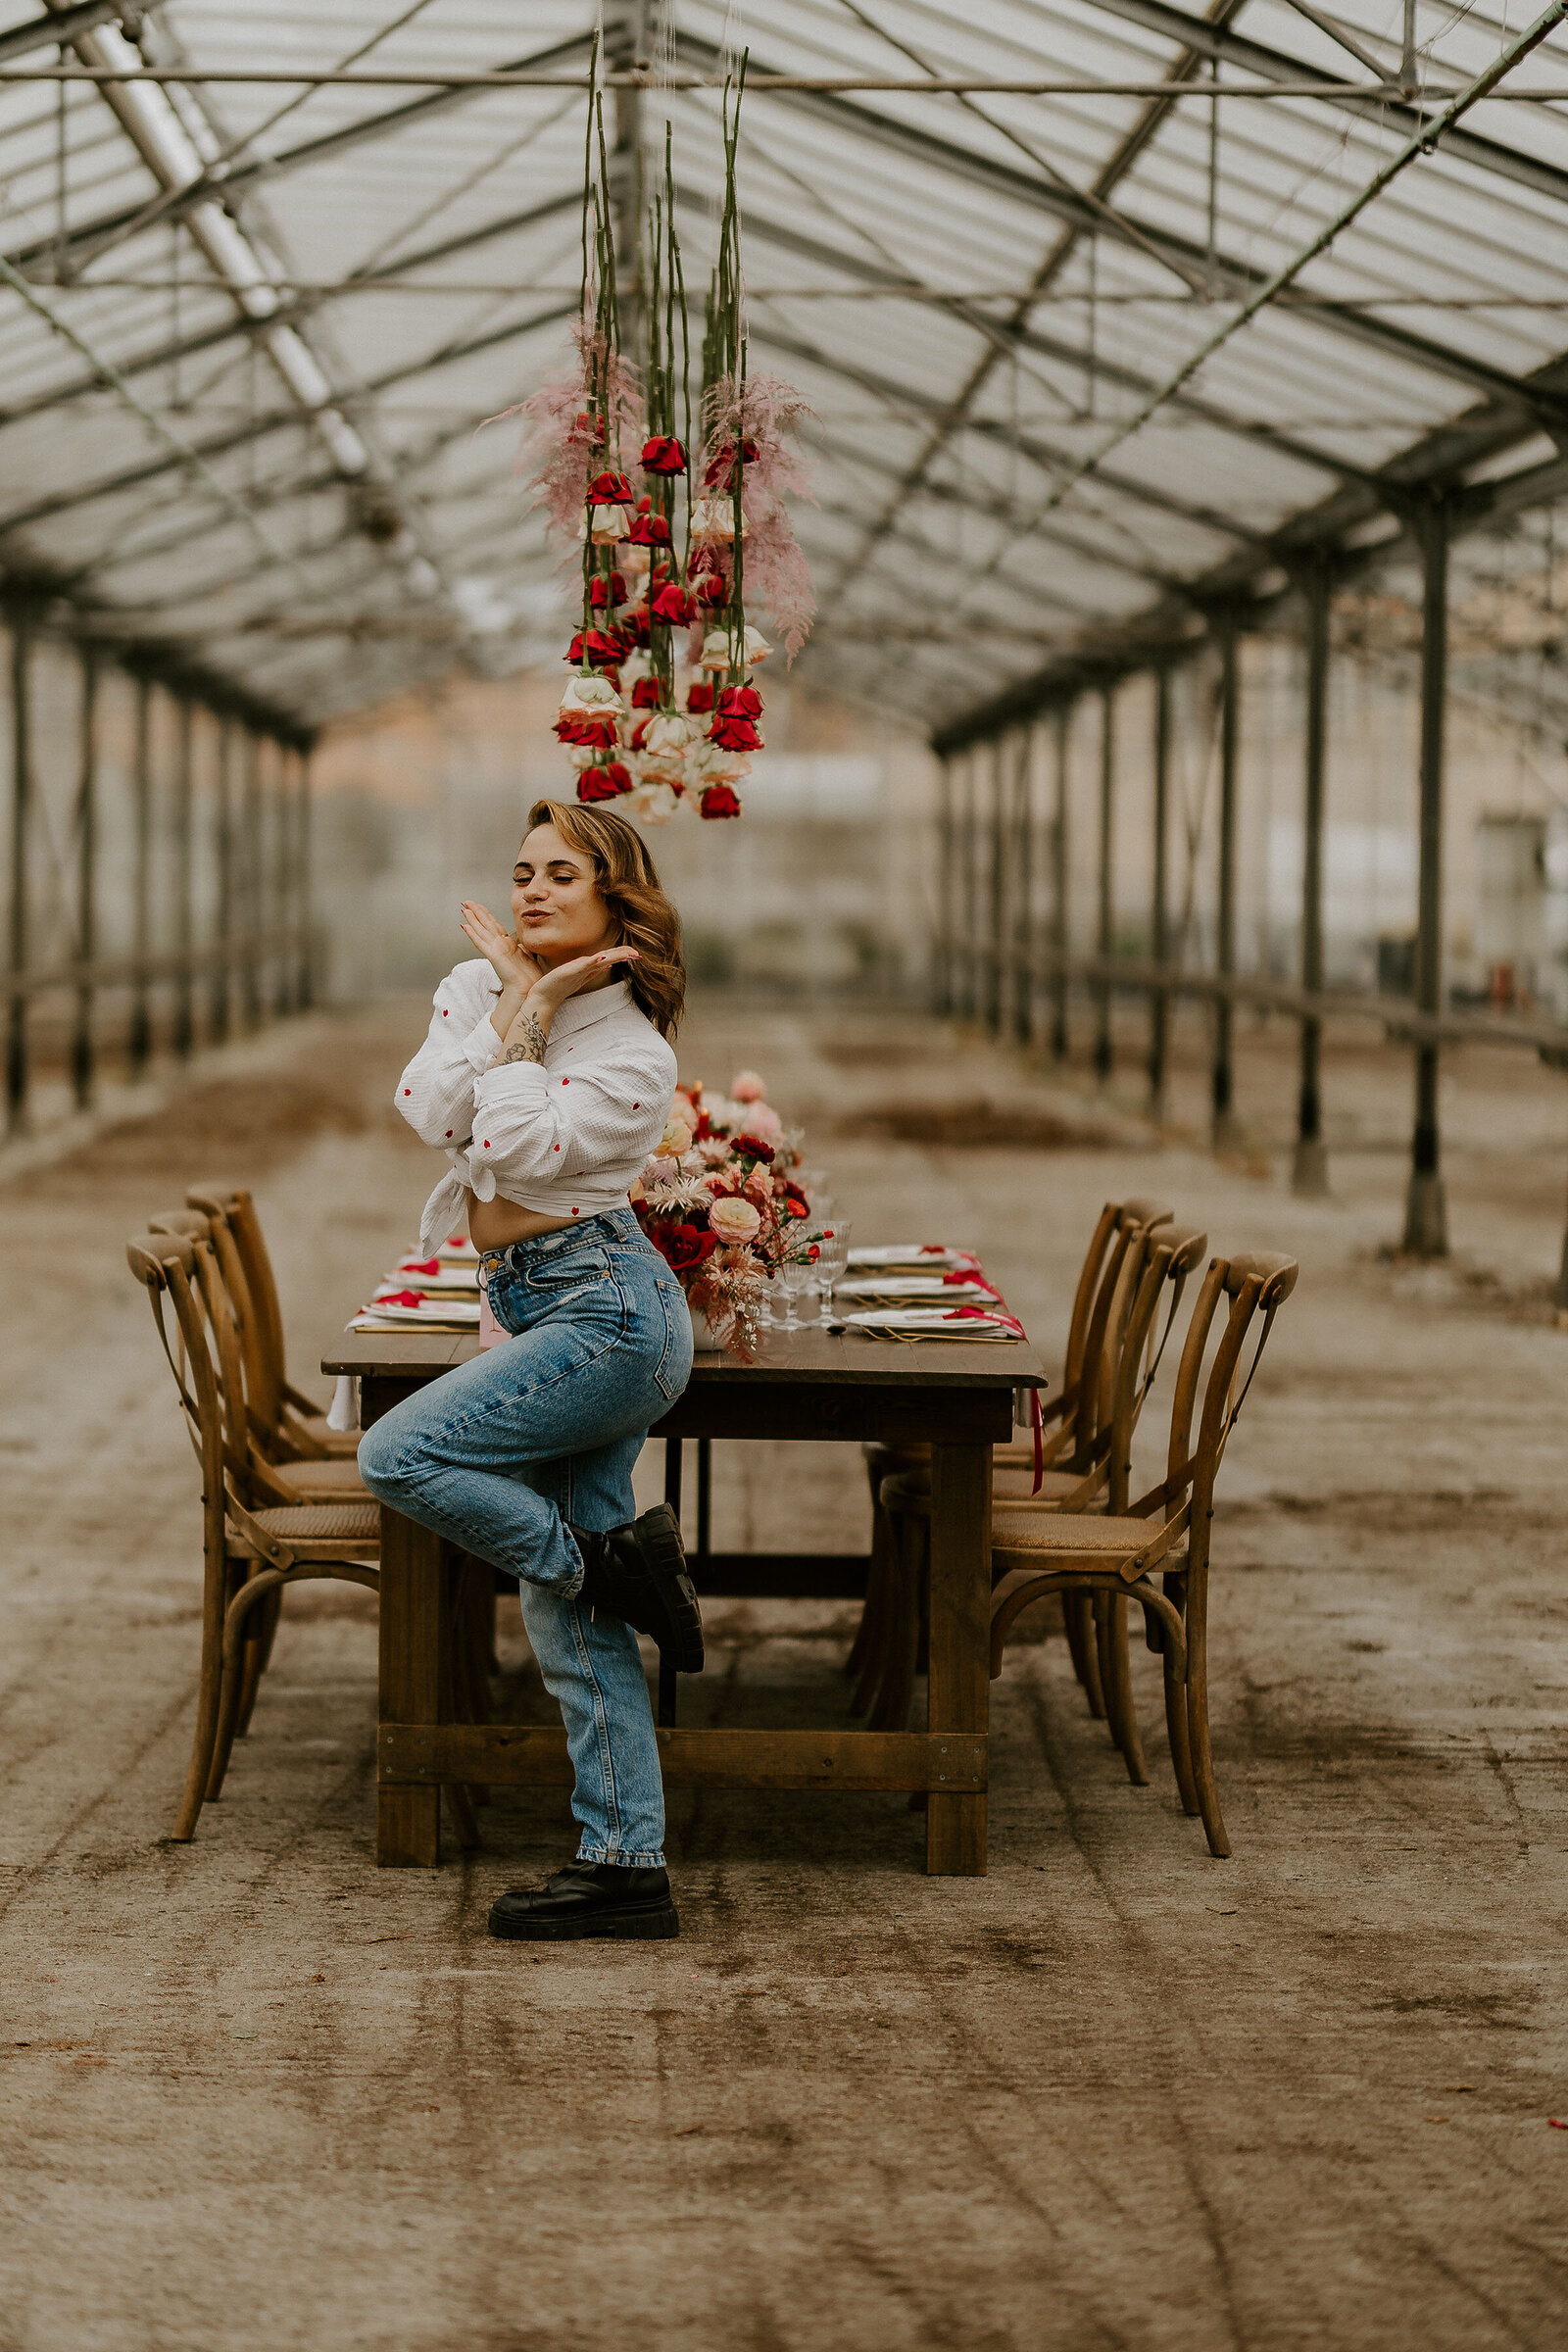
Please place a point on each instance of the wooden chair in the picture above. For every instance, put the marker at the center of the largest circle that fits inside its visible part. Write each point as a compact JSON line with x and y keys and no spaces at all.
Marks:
{"x":283,"y":1473}
{"x":298,"y":1426}
{"x":1113,"y":1560}
{"x":250,"y":1552}
{"x":875,"y":1656}
{"x":1148,"y":1272}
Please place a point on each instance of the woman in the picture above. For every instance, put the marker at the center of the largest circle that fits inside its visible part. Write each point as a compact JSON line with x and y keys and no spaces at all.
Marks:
{"x":547,"y":1078}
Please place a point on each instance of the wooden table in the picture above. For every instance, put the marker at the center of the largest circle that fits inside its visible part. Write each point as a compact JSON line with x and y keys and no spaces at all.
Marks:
{"x":954,"y":1396}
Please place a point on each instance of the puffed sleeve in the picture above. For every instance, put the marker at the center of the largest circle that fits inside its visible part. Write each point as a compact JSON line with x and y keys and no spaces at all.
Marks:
{"x":533,"y":1126}
{"x":435,"y":1093}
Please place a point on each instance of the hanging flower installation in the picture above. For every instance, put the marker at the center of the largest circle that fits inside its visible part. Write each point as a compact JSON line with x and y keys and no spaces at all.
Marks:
{"x":660,"y":710}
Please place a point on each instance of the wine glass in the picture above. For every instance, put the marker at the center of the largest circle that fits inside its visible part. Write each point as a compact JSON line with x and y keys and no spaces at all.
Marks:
{"x":796,"y":1273}
{"x":832,"y":1256}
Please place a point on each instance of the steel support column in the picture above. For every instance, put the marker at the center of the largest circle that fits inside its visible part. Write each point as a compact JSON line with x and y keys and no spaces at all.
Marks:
{"x":1105,"y":926}
{"x":996,"y":896}
{"x":185,"y":925}
{"x":21,"y":799}
{"x":306,"y":995}
{"x":140,"y":1034}
{"x":1309,"y":1175}
{"x":282,"y":868}
{"x":1426,"y":1220}
{"x":1222,"y":1077}
{"x":251,"y":895}
{"x":223,"y":883}
{"x":969,"y":993}
{"x":1023,"y":884}
{"x":1060,"y":927}
{"x":82,"y":1036}
{"x":942,"y":962}
{"x":1159,"y":897}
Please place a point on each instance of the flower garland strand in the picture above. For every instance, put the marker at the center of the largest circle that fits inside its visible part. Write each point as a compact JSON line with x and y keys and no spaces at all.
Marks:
{"x":638,"y":722}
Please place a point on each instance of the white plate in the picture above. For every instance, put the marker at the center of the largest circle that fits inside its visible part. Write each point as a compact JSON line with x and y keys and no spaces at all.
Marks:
{"x":924,"y":1318}
{"x":911,"y":1253}
{"x":911,"y":1285}
{"x":412,"y":1277}
{"x":455,"y":1311}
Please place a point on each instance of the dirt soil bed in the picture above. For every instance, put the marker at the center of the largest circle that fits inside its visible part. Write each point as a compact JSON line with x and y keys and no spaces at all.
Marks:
{"x":257,"y":2095}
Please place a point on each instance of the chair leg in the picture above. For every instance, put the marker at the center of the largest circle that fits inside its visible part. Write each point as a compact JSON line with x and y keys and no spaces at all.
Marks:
{"x":236,"y":1677}
{"x":1078,"y":1616}
{"x":891,"y":1713}
{"x":876,"y":1576}
{"x":880,"y":1601}
{"x":208,"y":1696}
{"x":1219,"y":1844}
{"x":258,"y":1657}
{"x":1124,"y":1710}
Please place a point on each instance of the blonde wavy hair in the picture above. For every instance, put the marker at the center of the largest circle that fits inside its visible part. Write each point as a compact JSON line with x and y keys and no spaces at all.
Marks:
{"x":627,"y":881}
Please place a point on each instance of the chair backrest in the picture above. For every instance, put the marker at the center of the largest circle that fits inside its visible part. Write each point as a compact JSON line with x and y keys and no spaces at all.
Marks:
{"x":248,"y":1269}
{"x":1171,"y":1254}
{"x":1114,"y":1218}
{"x":244,"y":1431}
{"x":1120,"y":1272}
{"x":165,"y":1263}
{"x":1256,"y":1282}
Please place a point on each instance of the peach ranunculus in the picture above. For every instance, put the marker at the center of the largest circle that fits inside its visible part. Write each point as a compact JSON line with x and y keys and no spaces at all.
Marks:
{"x":734,"y":1220}
{"x":678,"y":1135}
{"x":747,"y":1087}
{"x":764,"y":1121}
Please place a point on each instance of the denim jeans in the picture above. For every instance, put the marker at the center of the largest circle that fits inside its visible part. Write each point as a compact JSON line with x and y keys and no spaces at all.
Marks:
{"x":499,"y":1454}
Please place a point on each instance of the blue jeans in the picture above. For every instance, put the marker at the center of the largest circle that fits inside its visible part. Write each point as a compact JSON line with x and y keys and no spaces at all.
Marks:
{"x":499,"y":1454}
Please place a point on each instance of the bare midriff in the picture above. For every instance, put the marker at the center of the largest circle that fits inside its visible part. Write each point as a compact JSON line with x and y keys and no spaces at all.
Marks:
{"x":496,"y":1224}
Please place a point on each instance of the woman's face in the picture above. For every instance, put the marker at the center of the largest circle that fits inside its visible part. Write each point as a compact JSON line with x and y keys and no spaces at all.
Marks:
{"x":555,"y":902}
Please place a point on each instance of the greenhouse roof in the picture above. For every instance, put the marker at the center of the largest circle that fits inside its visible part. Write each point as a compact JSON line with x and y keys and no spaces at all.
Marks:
{"x":1076,"y":371}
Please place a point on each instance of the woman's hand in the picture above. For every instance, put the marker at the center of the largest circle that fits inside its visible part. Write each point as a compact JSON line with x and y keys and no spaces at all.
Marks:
{"x":549,"y":992}
{"x":512,"y":964}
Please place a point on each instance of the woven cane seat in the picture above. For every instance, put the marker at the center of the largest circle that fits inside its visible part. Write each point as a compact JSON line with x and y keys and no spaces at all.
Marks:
{"x":309,"y":1528}
{"x":320,"y":1482}
{"x":1021,"y":1531}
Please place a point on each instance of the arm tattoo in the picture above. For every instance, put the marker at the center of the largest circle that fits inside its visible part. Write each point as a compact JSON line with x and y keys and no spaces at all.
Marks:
{"x":530,"y":1042}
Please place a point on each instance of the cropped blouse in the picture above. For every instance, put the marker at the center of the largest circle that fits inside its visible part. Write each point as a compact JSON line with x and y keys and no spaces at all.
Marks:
{"x":565,"y":1136}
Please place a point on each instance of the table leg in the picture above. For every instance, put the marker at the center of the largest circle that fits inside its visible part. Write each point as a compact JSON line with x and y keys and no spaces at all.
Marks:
{"x":959,"y":1676}
{"x":412,"y":1633}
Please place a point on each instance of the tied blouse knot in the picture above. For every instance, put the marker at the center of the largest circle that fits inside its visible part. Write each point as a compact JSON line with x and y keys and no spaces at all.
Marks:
{"x":564,"y":1137}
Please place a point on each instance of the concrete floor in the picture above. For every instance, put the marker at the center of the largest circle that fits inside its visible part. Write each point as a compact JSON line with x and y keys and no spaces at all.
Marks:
{"x":256,"y":2095}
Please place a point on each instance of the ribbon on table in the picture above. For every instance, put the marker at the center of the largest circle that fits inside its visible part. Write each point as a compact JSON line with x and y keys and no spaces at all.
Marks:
{"x":419,"y":1265}
{"x":397,"y":1298}
{"x":974,"y":1281}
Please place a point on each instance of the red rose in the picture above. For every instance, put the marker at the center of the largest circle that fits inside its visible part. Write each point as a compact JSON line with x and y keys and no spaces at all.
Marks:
{"x":683,"y":1247}
{"x":709,"y":589}
{"x":602,"y":592}
{"x":591,"y":429}
{"x":603,"y":783}
{"x":603,"y":646}
{"x":662,"y":453}
{"x":671,"y":606}
{"x":753,"y":1147}
{"x":719,"y":801}
{"x":722,"y":469}
{"x":735,"y":735}
{"x":645,"y":694}
{"x":740,"y":702}
{"x":581,"y":727}
{"x":610,"y":490}
{"x":633,"y":626}
{"x":649,"y":530}
{"x":699,"y":697}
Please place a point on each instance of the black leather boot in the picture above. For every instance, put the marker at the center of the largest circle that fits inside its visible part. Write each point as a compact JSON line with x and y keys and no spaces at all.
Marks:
{"x":588,"y":1899}
{"x":639,"y":1572}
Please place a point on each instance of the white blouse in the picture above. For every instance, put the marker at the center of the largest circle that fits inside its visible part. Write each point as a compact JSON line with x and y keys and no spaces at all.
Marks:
{"x":565,"y":1136}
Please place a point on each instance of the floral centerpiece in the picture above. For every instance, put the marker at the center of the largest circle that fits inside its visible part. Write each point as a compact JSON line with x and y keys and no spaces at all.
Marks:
{"x":719,"y":1204}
